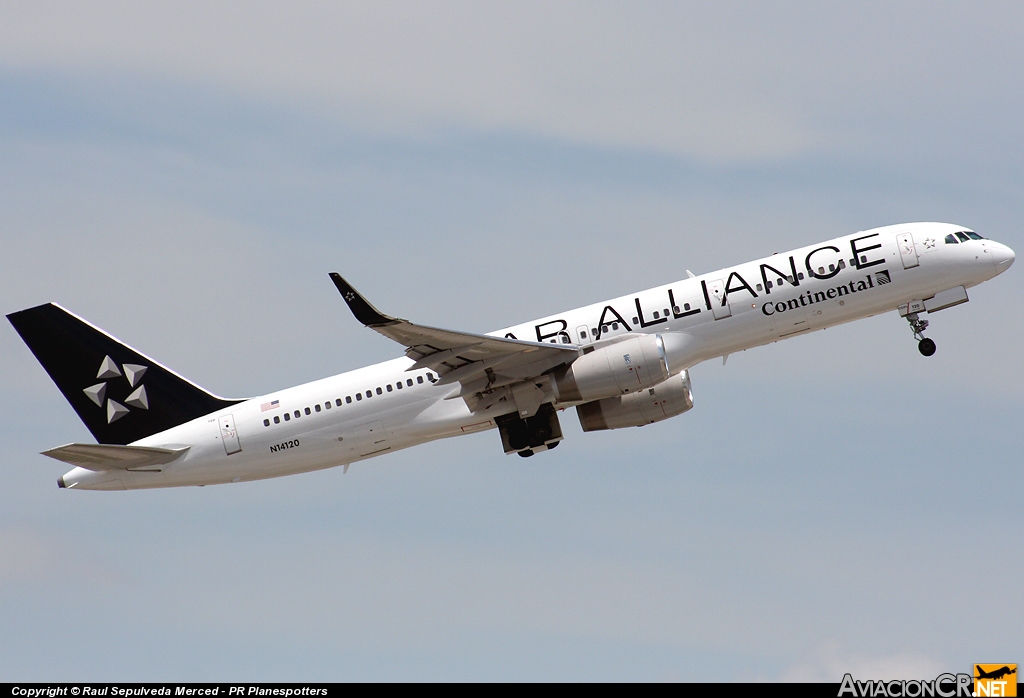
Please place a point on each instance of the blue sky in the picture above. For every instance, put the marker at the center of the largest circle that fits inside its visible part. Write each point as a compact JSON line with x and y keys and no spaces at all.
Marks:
{"x":185,"y":176}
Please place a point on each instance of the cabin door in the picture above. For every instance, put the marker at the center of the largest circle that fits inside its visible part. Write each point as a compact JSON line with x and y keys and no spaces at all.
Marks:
{"x":229,"y":435}
{"x":719,"y":303}
{"x":905,"y":241}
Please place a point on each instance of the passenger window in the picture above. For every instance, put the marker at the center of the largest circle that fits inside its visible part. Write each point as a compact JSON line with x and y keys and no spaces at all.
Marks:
{"x":316,"y":407}
{"x":307,"y":410}
{"x":388,"y":386}
{"x":831,"y":268}
{"x":359,"y":396}
{"x":348,"y":400}
{"x":665,"y":312}
{"x":973,"y":236}
{"x":963,"y":238}
{"x":656,"y":316}
{"x":408,"y":382}
{"x":686,"y":306}
{"x":287,"y":417}
{"x":863,"y":259}
{"x":615,"y":325}
{"x":430,"y":376}
{"x":266,"y":422}
{"x":277,"y":420}
{"x":297,"y":414}
{"x":779,"y":282}
{"x":583,"y":334}
{"x":759,"y":288}
{"x":800,"y":276}
{"x":636,"y":321}
{"x":821,"y":270}
{"x":369,"y":393}
{"x":327,"y":405}
{"x":675,"y":308}
{"x":398,"y":385}
{"x":419,"y":379}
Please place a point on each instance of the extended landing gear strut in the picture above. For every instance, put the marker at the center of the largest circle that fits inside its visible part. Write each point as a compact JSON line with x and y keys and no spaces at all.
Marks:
{"x":924,"y":345}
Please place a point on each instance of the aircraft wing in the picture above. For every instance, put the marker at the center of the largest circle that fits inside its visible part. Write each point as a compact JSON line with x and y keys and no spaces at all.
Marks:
{"x":480,"y":363}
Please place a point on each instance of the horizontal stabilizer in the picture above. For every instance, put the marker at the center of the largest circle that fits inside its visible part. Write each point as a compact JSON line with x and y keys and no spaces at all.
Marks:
{"x":100,"y":457}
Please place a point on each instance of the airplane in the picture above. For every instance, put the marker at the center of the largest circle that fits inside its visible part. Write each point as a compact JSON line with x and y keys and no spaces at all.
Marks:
{"x":996,"y":674}
{"x":621,"y":363}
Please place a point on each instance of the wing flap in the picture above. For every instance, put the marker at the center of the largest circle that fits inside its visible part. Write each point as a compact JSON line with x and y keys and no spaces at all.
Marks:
{"x":101,"y":457}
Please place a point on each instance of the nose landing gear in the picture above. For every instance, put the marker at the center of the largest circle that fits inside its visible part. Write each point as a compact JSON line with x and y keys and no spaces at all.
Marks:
{"x":924,"y":345}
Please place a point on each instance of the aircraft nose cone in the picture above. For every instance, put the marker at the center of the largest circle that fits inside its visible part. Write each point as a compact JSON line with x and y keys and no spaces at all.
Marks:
{"x":1003,"y":257}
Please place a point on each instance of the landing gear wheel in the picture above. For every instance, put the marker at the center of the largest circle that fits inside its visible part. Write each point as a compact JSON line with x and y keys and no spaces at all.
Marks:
{"x":525,"y":454}
{"x":926,"y":346}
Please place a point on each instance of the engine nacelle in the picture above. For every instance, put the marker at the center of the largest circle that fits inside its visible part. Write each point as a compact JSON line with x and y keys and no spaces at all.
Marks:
{"x":618,"y":369}
{"x":664,"y":400}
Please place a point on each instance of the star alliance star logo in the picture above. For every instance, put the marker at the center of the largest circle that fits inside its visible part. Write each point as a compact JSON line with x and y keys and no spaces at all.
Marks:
{"x":350,"y":296}
{"x":929,"y":243}
{"x":133,"y":374}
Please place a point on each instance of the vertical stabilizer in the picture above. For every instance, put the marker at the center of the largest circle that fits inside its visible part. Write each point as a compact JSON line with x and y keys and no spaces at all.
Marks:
{"x":120,"y":394}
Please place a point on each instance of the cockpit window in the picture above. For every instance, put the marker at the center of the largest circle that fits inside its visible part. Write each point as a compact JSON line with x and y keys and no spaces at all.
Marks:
{"x":963,"y":237}
{"x":951,"y":240}
{"x":973,"y":236}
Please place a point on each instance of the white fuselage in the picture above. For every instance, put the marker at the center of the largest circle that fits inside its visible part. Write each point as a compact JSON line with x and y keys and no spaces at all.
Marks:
{"x":385,"y":407}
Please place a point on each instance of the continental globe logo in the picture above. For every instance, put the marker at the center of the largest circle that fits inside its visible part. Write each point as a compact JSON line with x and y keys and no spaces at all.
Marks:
{"x":109,"y":371}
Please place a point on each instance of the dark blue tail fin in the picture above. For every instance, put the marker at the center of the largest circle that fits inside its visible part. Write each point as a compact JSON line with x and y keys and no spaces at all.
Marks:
{"x":120,"y":394}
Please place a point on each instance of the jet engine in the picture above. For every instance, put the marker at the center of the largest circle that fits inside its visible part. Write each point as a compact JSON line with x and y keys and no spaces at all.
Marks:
{"x":664,"y":400}
{"x":621,"y":368}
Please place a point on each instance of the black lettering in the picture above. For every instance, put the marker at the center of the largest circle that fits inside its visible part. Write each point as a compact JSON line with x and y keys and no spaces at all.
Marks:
{"x":764,"y":308}
{"x":640,"y":316}
{"x":843,"y":290}
{"x":810,"y":268}
{"x":560,"y":332}
{"x":743,"y":285}
{"x":509,"y":335}
{"x":707,"y":298}
{"x":793,"y":303}
{"x":858,"y":250}
{"x":871,"y":283}
{"x":672,"y":304}
{"x":602,"y":323}
{"x":819,"y":296}
{"x":803,"y":301}
{"x":792,"y":265}
{"x":831,"y":293}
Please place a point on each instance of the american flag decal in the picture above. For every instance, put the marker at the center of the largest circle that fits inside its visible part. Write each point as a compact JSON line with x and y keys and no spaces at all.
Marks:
{"x":270,"y":405}
{"x":882,"y":277}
